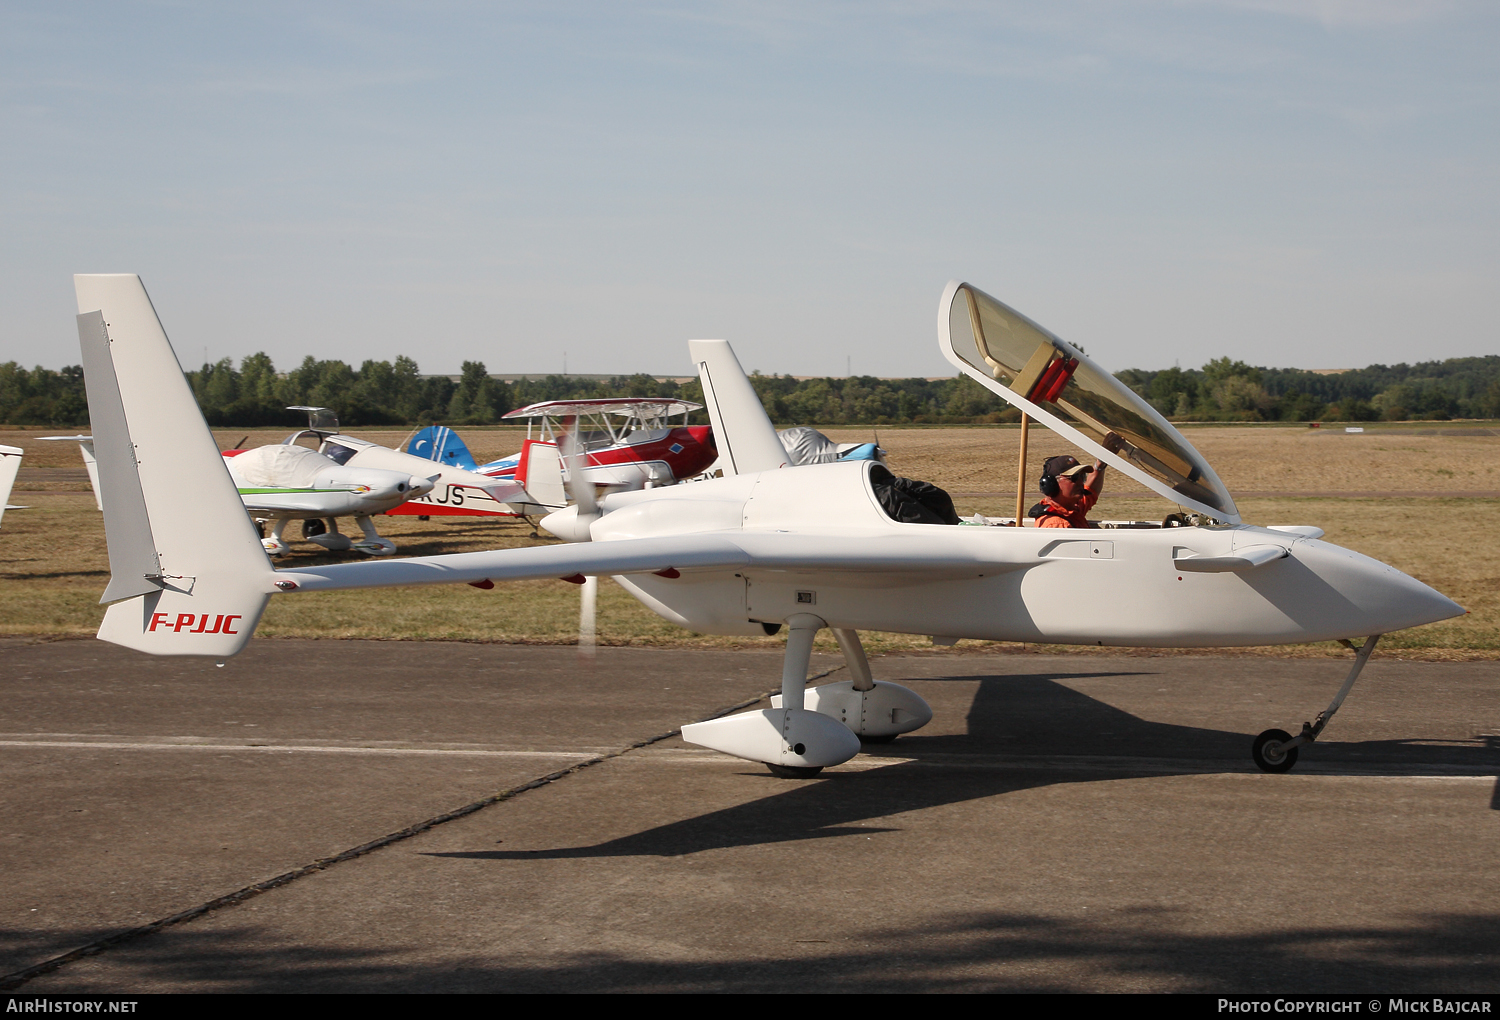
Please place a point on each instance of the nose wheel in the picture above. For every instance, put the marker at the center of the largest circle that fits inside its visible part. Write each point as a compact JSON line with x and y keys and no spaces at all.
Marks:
{"x":1271,"y":753}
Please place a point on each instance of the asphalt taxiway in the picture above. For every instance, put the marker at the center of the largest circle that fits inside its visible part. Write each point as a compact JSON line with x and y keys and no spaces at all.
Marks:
{"x":394,"y":816}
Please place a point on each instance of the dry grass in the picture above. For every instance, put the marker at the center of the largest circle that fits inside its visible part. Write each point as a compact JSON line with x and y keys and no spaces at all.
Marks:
{"x":53,"y":561}
{"x":1385,"y":458}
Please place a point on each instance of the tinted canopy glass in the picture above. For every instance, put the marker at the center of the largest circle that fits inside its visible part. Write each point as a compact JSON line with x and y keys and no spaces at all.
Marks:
{"x":1017,"y":358}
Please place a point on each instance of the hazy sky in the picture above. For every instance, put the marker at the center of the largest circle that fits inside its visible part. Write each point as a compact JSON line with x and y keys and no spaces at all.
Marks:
{"x":1292,"y":183}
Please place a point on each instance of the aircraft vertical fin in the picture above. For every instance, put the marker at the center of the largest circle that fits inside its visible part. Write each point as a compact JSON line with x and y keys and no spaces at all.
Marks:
{"x":184,"y":556}
{"x":543,"y":478}
{"x":134,"y":567}
{"x":743,"y":432}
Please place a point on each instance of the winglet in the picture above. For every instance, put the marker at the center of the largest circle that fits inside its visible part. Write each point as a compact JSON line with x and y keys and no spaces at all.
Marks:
{"x":743,"y":431}
{"x":183,"y":554}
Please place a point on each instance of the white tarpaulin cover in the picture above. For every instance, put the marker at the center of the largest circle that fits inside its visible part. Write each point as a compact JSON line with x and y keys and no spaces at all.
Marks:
{"x":808,"y":446}
{"x":278,"y":467}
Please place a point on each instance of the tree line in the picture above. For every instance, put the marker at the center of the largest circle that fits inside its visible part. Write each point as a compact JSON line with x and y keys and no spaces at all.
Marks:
{"x":396,"y":393}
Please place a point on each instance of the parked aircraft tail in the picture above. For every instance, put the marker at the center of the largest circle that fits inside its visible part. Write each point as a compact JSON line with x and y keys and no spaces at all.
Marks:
{"x":442,"y":444}
{"x":541,"y":471}
{"x":743,"y":431}
{"x":188,"y":575}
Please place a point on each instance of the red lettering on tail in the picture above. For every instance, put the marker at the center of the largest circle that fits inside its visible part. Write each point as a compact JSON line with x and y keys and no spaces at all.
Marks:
{"x":221,"y":623}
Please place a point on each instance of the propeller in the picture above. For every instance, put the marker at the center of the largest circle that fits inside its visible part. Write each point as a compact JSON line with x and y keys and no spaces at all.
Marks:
{"x":582,"y":491}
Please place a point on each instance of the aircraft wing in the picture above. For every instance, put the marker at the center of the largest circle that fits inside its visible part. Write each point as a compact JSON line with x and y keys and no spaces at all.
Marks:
{"x":914,"y":557}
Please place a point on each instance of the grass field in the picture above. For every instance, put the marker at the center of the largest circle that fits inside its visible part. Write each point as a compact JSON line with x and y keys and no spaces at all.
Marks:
{"x":53,"y":562}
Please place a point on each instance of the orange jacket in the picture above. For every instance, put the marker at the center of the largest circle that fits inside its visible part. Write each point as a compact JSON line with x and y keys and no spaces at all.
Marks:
{"x":1054,"y":515}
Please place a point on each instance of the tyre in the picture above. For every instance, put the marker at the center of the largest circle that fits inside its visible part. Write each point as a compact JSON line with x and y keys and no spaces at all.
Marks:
{"x":794,"y":771}
{"x":1270,"y":751}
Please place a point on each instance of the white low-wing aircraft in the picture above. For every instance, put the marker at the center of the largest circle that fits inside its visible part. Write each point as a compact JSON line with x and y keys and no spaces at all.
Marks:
{"x":455,"y":491}
{"x":762,"y":548}
{"x":285,"y":483}
{"x":345,"y":477}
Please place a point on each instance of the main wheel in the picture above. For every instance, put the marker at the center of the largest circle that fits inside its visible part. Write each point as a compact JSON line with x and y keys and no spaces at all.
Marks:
{"x":794,"y":771}
{"x":1270,"y":751}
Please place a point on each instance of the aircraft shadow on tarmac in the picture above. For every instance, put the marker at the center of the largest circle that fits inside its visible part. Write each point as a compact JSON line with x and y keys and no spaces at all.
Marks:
{"x":1137,"y":950}
{"x":1022,"y":731}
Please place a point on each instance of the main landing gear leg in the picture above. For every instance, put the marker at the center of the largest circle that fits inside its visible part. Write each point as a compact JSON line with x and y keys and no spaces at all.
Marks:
{"x":877,"y":712}
{"x":372,"y":544}
{"x":790,"y":740}
{"x":274,"y":544}
{"x":854,"y":657}
{"x":1276,"y":750}
{"x":801,"y":630}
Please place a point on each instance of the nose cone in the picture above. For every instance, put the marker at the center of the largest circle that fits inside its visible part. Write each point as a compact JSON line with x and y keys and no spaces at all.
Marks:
{"x":570,"y":525}
{"x":420,"y":486}
{"x":703,"y":435}
{"x":382,"y":488}
{"x":698,"y":452}
{"x":1359,"y":595}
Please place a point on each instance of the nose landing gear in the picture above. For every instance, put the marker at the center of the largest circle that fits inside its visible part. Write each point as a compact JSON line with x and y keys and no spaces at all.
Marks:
{"x":1276,"y":750}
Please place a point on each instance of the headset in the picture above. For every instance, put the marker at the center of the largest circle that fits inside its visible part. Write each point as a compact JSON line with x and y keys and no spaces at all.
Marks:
{"x":1048,"y":485}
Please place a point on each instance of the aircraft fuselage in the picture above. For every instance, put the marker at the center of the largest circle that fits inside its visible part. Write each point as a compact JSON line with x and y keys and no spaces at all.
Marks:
{"x":1070,"y":586}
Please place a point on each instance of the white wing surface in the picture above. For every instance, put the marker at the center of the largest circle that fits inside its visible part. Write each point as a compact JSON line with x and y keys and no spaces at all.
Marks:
{"x":915,"y":557}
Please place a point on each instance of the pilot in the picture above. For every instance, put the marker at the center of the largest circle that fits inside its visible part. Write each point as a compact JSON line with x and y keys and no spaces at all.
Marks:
{"x":1069,"y":492}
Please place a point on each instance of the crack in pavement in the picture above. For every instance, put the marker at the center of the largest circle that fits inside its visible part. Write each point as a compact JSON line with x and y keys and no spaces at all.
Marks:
{"x":13,"y":981}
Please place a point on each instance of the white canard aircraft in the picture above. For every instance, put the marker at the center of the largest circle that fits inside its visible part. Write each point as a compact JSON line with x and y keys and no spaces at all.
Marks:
{"x":91,"y":464}
{"x":10,"y":463}
{"x":751,"y":552}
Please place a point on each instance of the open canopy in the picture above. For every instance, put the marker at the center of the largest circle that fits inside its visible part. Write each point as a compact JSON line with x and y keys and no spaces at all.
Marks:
{"x":1062,"y":388}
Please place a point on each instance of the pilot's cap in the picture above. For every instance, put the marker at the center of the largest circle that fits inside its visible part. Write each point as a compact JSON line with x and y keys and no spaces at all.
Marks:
{"x":1064,"y":467}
